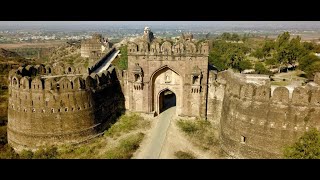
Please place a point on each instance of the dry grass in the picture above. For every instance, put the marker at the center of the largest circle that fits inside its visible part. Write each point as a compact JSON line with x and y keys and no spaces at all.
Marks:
{"x":125,"y":148}
{"x":127,"y":123}
{"x":200,"y":132}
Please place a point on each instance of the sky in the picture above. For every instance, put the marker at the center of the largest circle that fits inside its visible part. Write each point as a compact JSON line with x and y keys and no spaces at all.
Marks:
{"x":138,"y":24}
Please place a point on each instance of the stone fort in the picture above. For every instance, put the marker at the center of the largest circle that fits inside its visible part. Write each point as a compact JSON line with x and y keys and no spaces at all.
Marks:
{"x":58,"y":105}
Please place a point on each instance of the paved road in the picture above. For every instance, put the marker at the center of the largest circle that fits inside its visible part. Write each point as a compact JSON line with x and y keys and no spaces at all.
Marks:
{"x":152,"y":150}
{"x":107,"y":62}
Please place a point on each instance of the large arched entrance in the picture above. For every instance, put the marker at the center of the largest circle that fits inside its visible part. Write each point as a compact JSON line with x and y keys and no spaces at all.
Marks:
{"x":166,"y":90}
{"x":167,"y":100}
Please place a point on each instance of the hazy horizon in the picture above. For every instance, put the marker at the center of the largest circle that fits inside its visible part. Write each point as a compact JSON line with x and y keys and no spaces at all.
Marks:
{"x":80,"y":25}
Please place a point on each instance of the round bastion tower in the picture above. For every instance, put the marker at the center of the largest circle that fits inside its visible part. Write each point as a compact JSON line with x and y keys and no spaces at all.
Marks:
{"x":58,"y":105}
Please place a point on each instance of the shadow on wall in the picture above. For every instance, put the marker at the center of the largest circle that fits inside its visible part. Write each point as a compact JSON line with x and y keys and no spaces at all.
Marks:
{"x":109,"y":104}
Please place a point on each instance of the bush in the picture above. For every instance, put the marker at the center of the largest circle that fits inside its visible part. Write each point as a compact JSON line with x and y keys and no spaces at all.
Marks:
{"x":46,"y":153}
{"x":188,"y":126}
{"x":200,"y":132}
{"x":307,"y":147}
{"x":261,"y":69}
{"x":26,"y":154}
{"x":184,"y":155}
{"x":126,"y":147}
{"x":7,"y":152}
{"x":3,"y":135}
{"x":125,"y":124}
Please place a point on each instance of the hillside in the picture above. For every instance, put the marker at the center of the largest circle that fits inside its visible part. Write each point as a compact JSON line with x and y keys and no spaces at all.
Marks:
{"x":8,"y":60}
{"x":67,"y":54}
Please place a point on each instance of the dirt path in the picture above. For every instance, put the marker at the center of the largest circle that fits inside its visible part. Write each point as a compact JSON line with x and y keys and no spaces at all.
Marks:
{"x":152,"y":146}
{"x":176,"y":140}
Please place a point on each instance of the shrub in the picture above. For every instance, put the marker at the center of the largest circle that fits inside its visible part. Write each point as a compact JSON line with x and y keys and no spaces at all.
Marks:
{"x":126,"y":147}
{"x":184,"y":155}
{"x":307,"y":147}
{"x":7,"y":152}
{"x":125,"y":124}
{"x":46,"y":153}
{"x":200,"y":132}
{"x":3,"y":135}
{"x":26,"y":154}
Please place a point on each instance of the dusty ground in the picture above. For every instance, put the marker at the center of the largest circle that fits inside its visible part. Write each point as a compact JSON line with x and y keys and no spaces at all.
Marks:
{"x":174,"y":140}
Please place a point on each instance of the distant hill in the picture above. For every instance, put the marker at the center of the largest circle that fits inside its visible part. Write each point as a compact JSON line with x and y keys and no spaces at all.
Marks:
{"x":10,"y":57}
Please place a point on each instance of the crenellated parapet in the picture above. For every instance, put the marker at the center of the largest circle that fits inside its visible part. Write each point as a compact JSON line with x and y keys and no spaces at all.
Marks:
{"x":46,"y":70}
{"x":258,"y":120}
{"x":148,"y":45}
{"x":48,"y":109}
{"x":163,"y":48}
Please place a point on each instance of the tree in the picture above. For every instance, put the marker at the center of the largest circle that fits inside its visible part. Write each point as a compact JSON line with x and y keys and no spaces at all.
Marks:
{"x":261,"y":69}
{"x":312,"y":69}
{"x":258,"y":53}
{"x":235,"y":37}
{"x":225,"y":36}
{"x":307,"y":147}
{"x":310,"y":64}
{"x":122,"y":63}
{"x":245,"y":64}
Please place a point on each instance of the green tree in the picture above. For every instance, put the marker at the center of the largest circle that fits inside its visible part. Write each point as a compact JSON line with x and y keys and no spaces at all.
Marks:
{"x":122,"y":63}
{"x":259,"y":53}
{"x":307,"y":147}
{"x":261,"y":69}
{"x":225,"y":36}
{"x":245,"y":64}
{"x":310,"y":64}
{"x":235,"y":37}
{"x":312,"y":69}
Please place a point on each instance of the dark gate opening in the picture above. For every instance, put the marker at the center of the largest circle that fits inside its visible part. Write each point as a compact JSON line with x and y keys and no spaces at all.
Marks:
{"x":167,"y":100}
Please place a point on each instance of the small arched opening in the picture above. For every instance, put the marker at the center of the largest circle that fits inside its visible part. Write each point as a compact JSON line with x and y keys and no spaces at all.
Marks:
{"x":167,"y":100}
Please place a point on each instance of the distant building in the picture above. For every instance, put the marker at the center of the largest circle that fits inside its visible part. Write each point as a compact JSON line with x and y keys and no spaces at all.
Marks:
{"x":95,"y":47}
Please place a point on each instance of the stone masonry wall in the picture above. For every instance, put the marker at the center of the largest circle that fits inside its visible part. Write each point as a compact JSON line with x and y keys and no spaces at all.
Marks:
{"x":256,"y":123}
{"x":46,"y":110}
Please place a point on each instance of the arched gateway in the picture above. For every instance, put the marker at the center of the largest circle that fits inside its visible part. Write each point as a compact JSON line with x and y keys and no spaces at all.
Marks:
{"x":160,"y":69}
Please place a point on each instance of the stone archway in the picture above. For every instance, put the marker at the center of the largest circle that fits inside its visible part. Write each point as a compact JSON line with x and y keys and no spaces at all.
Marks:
{"x":166,"y":79}
{"x":167,"y":99}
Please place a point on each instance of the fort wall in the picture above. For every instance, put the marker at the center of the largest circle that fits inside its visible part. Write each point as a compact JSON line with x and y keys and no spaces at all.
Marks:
{"x":258,"y":123}
{"x":46,"y":109}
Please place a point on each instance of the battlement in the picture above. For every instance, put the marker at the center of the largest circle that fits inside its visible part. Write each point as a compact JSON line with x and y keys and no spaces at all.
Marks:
{"x":166,"y":47}
{"x":258,"y":88}
{"x":258,"y":120}
{"x":60,"y":108}
{"x":186,"y":46}
{"x":59,"y":83}
{"x":46,"y":70}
